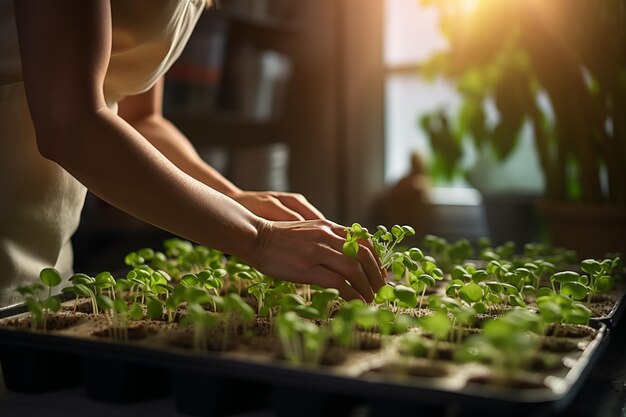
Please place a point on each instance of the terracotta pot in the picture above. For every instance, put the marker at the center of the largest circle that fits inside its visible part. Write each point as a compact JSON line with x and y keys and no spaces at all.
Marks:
{"x":591,"y":229}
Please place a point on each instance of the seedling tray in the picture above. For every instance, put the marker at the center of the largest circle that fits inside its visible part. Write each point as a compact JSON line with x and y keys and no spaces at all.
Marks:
{"x":212,"y":384}
{"x":614,"y":316}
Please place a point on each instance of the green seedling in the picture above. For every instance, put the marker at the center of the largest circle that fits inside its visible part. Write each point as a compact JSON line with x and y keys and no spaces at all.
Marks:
{"x":559,"y":257}
{"x":303,"y":342}
{"x":41,"y":307}
{"x":201,"y":320}
{"x":559,"y":308}
{"x":119,"y":315}
{"x":507,"y":343}
{"x":83,"y":286}
{"x":353,"y":317}
{"x":500,"y":253}
{"x":353,"y":235}
{"x":322,"y":301}
{"x":383,"y":242}
{"x":234,"y":311}
{"x":462,"y":312}
{"x":439,"y":326}
{"x":196,"y":315}
{"x":448,"y":254}
{"x":600,"y":275}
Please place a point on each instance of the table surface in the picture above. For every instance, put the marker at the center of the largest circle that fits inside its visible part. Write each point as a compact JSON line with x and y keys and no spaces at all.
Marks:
{"x":602,"y":395}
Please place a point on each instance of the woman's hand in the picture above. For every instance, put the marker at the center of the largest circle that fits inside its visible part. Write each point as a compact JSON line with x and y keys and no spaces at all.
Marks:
{"x":311,"y":252}
{"x":277,"y":206}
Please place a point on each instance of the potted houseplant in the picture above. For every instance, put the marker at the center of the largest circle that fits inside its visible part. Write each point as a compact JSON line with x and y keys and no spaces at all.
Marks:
{"x":558,"y":67}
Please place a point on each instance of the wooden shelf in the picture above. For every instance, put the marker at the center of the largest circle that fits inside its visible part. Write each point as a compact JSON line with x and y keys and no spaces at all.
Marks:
{"x":226,"y":129}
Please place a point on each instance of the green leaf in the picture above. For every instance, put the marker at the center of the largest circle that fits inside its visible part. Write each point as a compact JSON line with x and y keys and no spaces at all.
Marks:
{"x":427,"y":280}
{"x":565,"y":276}
{"x":480,"y":307}
{"x":591,"y":266}
{"x":574,"y":289}
{"x":405,"y":295}
{"x":480,"y":276}
{"x":154,"y":308}
{"x":438,"y":325}
{"x":416,"y":254}
{"x":146,"y":253}
{"x":50,"y":277}
{"x":516,"y":301}
{"x":105,"y":302}
{"x":550,"y":312}
{"x":135,"y":312}
{"x":104,"y":280}
{"x":350,"y":248}
{"x":367,"y":317}
{"x":545,"y":292}
{"x":408,"y":230}
{"x":604,"y":283}
{"x":398,"y":268}
{"x":458,"y":272}
{"x":189,"y":280}
{"x":81,"y":279}
{"x":52,"y":304}
{"x":471,"y":292}
{"x":83,"y":291}
{"x":385,"y":294}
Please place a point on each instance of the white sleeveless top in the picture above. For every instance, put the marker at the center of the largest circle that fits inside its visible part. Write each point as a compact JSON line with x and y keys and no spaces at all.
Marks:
{"x":40,"y":203}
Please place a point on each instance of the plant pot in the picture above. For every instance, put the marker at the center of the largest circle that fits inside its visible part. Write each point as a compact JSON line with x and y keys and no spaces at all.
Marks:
{"x":591,"y":229}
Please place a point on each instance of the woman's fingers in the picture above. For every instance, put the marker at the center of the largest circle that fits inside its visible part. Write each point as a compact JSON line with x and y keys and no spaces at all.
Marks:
{"x":349,"y":268}
{"x":275,"y":210}
{"x":299,"y":204}
{"x":329,"y":279}
{"x":311,"y":252}
{"x":371,"y":266}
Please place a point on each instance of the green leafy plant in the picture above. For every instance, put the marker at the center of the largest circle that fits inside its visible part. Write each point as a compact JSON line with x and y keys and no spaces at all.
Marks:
{"x":448,"y":254}
{"x":507,"y":343}
{"x":303,"y":342}
{"x":38,"y":306}
{"x":502,"y":53}
{"x":383,"y":242}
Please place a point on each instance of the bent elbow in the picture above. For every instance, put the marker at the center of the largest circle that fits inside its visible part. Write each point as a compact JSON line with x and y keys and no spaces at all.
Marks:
{"x":56,"y":135}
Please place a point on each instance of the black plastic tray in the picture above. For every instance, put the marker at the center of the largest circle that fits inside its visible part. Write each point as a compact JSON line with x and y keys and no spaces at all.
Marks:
{"x":211,"y":384}
{"x":615,"y":315}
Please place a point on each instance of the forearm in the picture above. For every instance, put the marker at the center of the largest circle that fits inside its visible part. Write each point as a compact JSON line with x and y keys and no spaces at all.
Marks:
{"x":177,"y":148}
{"x":134,"y":176}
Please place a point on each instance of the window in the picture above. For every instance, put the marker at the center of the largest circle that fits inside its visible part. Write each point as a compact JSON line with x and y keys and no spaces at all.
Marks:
{"x":411,"y":36}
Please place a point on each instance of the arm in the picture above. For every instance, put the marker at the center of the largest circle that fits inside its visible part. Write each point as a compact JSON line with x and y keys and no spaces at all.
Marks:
{"x":65,"y":47}
{"x":144,"y":113}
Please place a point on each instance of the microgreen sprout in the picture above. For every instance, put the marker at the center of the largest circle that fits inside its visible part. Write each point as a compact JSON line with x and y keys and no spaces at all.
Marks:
{"x":303,"y":342}
{"x":83,"y":286}
{"x":507,"y":343}
{"x":41,"y":307}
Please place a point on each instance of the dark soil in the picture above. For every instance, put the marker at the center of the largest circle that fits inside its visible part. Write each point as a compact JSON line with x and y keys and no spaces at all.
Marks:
{"x":571,"y":330}
{"x":558,"y":345}
{"x":58,"y":321}
{"x":82,"y":305}
{"x":368,"y":341}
